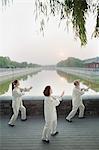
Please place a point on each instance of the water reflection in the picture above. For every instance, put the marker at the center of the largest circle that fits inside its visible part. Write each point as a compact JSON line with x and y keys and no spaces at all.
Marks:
{"x":5,"y":87}
{"x":70,"y":78}
{"x":57,"y":79}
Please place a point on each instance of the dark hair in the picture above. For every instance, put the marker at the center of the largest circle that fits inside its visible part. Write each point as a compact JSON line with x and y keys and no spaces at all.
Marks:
{"x":75,"y":82}
{"x":14,"y":83}
{"x":46,"y":91}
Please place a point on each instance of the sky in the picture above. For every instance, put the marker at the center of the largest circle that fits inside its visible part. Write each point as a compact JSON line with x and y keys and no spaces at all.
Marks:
{"x":21,"y":39}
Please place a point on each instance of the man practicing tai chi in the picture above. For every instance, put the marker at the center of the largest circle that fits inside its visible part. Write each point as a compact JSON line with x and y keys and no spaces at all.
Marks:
{"x":77,"y":102}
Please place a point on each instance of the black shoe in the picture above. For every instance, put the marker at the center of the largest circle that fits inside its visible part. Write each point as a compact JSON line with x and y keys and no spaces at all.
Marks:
{"x":11,"y":125}
{"x":55,"y":133}
{"x":68,"y":120}
{"x":82,"y":117}
{"x":45,"y":141}
{"x":23,"y":119}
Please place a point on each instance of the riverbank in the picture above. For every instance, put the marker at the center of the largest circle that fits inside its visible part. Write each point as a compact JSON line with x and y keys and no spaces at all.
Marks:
{"x":85,"y":73}
{"x":7,"y":74}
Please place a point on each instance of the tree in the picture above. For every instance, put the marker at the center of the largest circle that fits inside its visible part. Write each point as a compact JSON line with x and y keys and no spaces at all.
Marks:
{"x":73,"y":11}
{"x":71,"y":62}
{"x":6,"y":62}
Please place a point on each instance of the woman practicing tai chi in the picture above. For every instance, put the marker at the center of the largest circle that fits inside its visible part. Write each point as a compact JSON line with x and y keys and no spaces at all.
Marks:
{"x":17,"y":103}
{"x":77,"y":101}
{"x":50,"y":114}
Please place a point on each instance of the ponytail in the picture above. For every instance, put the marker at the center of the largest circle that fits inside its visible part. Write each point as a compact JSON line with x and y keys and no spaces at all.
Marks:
{"x":13,"y":86}
{"x":14,"y":83}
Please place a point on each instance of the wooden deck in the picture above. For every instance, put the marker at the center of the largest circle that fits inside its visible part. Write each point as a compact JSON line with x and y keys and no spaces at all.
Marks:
{"x":78,"y":135}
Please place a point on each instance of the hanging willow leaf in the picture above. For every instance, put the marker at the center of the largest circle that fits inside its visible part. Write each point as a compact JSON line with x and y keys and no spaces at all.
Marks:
{"x":6,"y":2}
{"x":78,"y":19}
{"x":96,"y":31}
{"x":66,"y":9}
{"x":75,"y":8}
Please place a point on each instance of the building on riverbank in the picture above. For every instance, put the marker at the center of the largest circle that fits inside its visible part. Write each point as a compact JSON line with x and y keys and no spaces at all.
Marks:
{"x":92,"y":63}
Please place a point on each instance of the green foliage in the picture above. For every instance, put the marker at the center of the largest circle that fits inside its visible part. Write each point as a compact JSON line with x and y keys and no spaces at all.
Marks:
{"x":96,"y":31}
{"x":71,"y":11}
{"x":4,"y":87}
{"x":71,"y":62}
{"x":78,"y":19}
{"x":5,"y":62}
{"x":70,"y":78}
{"x":6,"y":2}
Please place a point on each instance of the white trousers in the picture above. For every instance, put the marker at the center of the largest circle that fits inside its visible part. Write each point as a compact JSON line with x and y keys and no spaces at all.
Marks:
{"x":54,"y":127}
{"x":17,"y":105}
{"x":81,"y":108}
{"x":49,"y":128}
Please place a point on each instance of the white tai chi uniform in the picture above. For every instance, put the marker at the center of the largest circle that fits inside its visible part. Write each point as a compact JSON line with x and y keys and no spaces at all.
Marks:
{"x":76,"y":103}
{"x":17,"y":105}
{"x":50,"y":115}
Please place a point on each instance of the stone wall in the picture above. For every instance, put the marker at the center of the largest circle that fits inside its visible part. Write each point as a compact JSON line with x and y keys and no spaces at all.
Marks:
{"x":9,"y":74}
{"x":35,"y":107}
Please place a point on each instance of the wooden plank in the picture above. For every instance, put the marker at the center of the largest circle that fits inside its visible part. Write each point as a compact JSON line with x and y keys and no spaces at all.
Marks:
{"x":79,"y":135}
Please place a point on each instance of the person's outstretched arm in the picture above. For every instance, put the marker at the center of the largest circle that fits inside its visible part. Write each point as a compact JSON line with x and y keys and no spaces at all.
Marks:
{"x":25,"y":89}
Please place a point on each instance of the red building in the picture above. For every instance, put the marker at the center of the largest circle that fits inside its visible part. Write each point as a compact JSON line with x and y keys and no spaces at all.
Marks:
{"x":92,"y":63}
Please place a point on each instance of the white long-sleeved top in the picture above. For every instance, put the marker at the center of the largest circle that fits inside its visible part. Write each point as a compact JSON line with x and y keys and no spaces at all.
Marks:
{"x":17,"y":93}
{"x":17,"y":98}
{"x":77,"y":96}
{"x":50,"y":104}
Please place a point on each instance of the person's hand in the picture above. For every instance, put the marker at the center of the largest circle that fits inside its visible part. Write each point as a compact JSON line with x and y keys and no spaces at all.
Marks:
{"x":87,"y":89}
{"x":82,"y":89}
{"x":62,"y":93}
{"x":30,"y":87}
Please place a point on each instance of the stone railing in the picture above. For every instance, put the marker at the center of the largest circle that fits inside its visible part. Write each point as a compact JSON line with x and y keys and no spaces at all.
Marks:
{"x":85,"y":73}
{"x":34,"y":105}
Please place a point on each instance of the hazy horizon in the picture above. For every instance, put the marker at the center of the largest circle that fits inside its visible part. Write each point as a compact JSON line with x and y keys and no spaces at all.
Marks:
{"x":21,"y":39}
{"x":46,"y":64}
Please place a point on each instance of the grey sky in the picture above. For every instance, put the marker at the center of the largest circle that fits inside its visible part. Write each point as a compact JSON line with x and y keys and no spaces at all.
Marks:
{"x":21,"y":40}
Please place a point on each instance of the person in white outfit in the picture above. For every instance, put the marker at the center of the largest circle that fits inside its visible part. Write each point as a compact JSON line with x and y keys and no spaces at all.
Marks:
{"x":17,"y":103}
{"x":50,"y":114}
{"x":77,"y":101}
